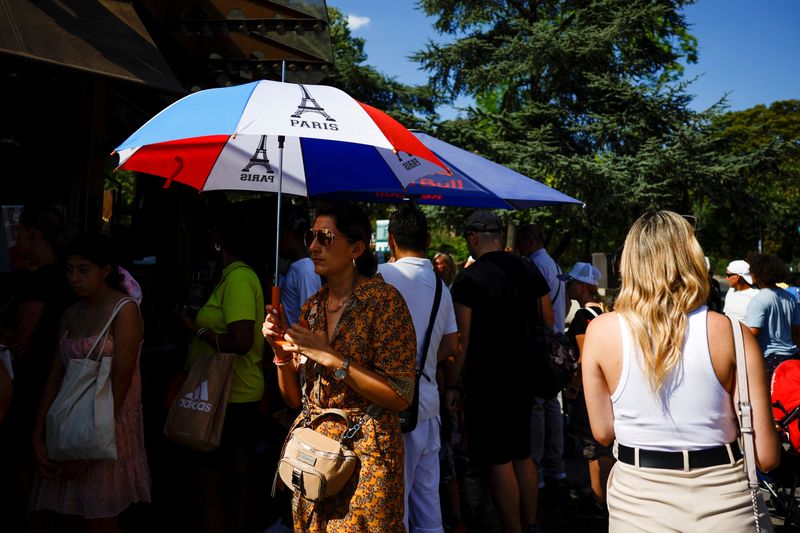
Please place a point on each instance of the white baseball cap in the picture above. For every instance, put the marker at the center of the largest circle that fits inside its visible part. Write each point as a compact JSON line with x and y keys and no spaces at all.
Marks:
{"x":584,"y":272}
{"x":740,"y":268}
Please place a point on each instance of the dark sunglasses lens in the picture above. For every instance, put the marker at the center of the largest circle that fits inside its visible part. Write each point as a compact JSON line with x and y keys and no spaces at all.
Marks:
{"x":324,"y":237}
{"x":308,"y":237}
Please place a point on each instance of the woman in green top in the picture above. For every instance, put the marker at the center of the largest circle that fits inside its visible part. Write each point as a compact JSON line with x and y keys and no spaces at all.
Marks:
{"x":230,"y":321}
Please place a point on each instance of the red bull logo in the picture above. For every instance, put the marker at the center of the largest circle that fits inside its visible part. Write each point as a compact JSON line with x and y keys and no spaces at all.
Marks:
{"x":401,"y":196}
{"x":430,"y":182}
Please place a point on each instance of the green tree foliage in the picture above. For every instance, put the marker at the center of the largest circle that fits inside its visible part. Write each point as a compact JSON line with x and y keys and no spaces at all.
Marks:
{"x":412,"y":106}
{"x":585,"y":96}
{"x":762,"y":197}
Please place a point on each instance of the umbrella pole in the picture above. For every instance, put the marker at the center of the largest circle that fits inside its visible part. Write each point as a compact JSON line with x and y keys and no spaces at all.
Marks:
{"x":276,"y":291}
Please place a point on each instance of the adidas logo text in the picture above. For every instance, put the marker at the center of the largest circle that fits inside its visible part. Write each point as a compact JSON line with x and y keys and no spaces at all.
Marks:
{"x":197,"y":400}
{"x":194,"y":405}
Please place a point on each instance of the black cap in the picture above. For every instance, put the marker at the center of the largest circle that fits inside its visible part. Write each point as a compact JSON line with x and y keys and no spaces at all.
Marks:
{"x":483,"y":221}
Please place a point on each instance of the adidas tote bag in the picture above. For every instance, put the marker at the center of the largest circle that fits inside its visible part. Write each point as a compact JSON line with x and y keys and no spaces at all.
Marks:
{"x":197,"y":413}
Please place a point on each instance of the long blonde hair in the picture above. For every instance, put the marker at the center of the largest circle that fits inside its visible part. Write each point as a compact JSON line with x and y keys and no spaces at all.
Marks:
{"x":664,"y":277}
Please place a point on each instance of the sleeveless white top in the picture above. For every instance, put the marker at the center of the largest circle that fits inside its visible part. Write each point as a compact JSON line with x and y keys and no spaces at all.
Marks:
{"x":691,"y":412}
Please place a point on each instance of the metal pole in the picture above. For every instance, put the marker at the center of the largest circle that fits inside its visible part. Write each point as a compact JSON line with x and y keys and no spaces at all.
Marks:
{"x":281,"y":140}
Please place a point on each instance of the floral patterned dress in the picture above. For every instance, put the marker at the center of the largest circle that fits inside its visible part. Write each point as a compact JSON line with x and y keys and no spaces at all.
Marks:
{"x":376,"y":330}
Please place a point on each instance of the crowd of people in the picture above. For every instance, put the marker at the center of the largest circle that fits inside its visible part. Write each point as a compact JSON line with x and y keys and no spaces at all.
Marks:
{"x":354,"y":344}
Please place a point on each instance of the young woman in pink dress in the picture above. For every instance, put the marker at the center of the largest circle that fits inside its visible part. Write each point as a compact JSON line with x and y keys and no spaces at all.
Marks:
{"x":98,"y":490}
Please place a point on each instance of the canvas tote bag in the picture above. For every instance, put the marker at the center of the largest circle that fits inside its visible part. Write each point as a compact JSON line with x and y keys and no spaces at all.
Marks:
{"x":197,"y":414}
{"x":80,"y":421}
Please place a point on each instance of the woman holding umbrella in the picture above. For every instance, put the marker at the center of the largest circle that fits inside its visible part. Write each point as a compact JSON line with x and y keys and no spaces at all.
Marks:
{"x":356,"y":353}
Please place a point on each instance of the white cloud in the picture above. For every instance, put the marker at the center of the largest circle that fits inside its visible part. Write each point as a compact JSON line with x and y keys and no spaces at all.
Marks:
{"x":355,"y":21}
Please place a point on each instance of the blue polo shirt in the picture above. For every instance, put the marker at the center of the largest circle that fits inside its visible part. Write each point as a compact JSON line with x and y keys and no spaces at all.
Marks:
{"x":774,"y":311}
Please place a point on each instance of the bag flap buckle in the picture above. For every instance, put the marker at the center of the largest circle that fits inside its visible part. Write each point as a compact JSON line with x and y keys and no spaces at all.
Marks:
{"x":297,"y":479}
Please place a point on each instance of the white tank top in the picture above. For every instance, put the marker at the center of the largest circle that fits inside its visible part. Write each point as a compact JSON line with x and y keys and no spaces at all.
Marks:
{"x":692,"y":411}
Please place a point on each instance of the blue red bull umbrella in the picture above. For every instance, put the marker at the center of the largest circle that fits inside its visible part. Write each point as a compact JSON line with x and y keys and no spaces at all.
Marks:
{"x":471,"y":181}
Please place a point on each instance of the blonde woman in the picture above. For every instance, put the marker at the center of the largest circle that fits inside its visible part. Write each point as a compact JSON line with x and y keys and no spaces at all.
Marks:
{"x":659,"y":375}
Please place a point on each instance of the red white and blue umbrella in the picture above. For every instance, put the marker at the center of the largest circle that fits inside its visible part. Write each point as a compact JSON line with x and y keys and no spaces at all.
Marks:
{"x":268,"y":136}
{"x":228,"y":139}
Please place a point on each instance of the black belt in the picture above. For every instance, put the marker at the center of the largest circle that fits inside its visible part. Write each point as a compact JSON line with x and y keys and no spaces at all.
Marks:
{"x":675,"y":460}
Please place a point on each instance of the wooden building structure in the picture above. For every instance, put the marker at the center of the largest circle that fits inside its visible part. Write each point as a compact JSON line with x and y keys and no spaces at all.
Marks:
{"x":77,"y":77}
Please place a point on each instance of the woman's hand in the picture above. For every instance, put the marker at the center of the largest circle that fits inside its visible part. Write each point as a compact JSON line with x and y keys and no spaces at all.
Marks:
{"x":46,"y":467}
{"x":312,"y":344}
{"x":274,"y":328}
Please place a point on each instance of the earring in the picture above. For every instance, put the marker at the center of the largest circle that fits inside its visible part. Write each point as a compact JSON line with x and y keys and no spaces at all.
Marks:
{"x":217,"y":247}
{"x":354,"y":263}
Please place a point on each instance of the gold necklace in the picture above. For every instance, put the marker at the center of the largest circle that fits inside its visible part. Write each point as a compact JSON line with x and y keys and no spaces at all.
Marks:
{"x":343,"y":300}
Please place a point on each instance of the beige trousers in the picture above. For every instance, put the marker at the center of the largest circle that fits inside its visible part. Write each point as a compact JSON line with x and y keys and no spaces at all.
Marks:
{"x":704,"y":500}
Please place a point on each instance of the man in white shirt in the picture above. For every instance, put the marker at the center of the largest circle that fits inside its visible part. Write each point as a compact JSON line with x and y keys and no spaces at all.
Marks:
{"x":412,"y":274}
{"x":301,"y":281}
{"x":741,"y":289}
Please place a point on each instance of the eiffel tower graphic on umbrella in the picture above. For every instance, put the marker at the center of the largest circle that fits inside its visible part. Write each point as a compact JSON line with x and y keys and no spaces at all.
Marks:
{"x":304,"y":106}
{"x":260,"y":157}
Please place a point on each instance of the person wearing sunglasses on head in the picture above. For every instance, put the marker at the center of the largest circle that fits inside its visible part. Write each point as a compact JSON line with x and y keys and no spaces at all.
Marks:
{"x":354,"y":349}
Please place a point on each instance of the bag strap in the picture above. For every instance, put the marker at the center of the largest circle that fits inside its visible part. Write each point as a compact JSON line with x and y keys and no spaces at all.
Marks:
{"x":437,"y":299}
{"x":558,"y":291}
{"x":590,"y":308}
{"x":104,"y":332}
{"x":337,"y":412}
{"x":746,"y":419}
{"x":745,"y":409}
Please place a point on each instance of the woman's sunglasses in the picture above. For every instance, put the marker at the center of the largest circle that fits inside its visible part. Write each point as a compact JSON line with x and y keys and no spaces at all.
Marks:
{"x":323,"y":236}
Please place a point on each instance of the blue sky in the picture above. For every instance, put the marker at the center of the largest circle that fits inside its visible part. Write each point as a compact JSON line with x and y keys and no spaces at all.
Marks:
{"x":747,"y":48}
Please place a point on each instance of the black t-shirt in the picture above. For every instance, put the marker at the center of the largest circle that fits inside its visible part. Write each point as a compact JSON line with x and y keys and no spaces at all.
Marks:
{"x":47,"y":285}
{"x":581,"y":321}
{"x":503,"y":291}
